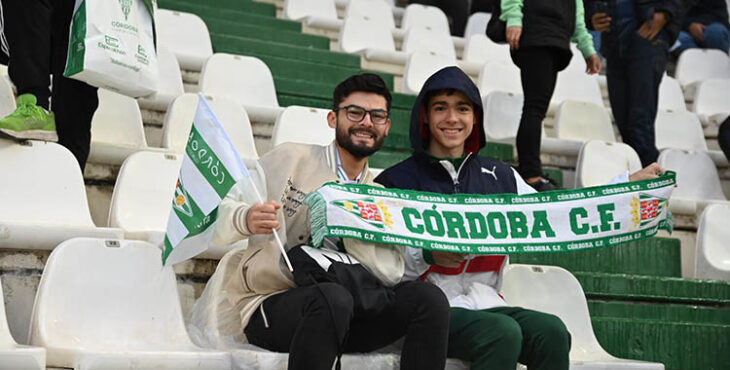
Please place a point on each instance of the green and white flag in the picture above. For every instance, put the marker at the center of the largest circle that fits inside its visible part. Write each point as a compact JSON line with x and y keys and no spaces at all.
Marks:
{"x":557,"y":221}
{"x":210,"y":168}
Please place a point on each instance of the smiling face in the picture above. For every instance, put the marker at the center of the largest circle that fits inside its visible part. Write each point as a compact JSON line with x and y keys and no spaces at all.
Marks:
{"x":361,"y":139}
{"x":450,"y":118}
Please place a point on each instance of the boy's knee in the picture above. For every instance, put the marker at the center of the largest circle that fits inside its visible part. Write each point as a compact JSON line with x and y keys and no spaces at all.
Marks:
{"x":332,"y":297}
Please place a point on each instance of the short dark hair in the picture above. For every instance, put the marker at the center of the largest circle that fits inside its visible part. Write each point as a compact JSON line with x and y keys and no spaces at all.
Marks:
{"x":366,"y":82}
{"x":430,"y":94}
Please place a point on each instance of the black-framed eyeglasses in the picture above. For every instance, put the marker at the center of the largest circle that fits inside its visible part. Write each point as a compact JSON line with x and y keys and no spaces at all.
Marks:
{"x":356,"y":113}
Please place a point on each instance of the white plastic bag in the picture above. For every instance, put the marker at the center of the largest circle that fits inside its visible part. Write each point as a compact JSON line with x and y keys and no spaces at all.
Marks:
{"x":111,"y":46}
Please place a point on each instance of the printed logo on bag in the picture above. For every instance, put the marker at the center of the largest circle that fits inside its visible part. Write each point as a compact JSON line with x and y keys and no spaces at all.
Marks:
{"x":141,"y":55}
{"x":646,"y":208}
{"x":126,"y":6}
{"x":368,"y":211}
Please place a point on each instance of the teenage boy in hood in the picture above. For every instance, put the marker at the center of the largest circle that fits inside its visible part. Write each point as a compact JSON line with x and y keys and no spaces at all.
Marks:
{"x":446,"y":135}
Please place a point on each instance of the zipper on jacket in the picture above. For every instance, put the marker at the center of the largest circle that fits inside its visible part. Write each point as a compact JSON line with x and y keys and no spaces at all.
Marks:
{"x":453,"y":172}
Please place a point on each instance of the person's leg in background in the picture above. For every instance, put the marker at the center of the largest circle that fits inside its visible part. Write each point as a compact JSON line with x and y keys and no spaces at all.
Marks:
{"x":686,"y":41}
{"x":27,"y":30}
{"x":73,"y":102}
{"x":539,"y":73}
{"x":717,"y":36}
{"x":646,"y":63}
{"x":723,"y":137}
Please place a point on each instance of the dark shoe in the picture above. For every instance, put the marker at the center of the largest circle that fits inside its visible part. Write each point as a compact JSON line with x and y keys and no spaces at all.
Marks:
{"x":544,"y":184}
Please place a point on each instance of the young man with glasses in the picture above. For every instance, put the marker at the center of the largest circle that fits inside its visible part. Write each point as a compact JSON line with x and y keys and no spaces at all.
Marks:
{"x":316,"y":323}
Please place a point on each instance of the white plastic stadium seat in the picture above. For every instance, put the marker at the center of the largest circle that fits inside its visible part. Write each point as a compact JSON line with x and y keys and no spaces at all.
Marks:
{"x":116,"y":129}
{"x":698,"y":183}
{"x":680,"y":130}
{"x":43,"y":197}
{"x":424,"y":15}
{"x":302,"y":125}
{"x":496,"y":76}
{"x":671,"y":97}
{"x":170,"y":85}
{"x":373,"y":10}
{"x":108,"y":304}
{"x":712,"y":102}
{"x":575,"y":85}
{"x":502,"y":112}
{"x":186,"y":35}
{"x":420,"y":66}
{"x":7,"y":97}
{"x":420,"y":38}
{"x":366,"y":33}
{"x":14,"y":356}
{"x":713,"y":251}
{"x":299,"y":9}
{"x":554,"y":290}
{"x":480,"y":49}
{"x":233,"y":117}
{"x":477,"y":24}
{"x":583,"y":121}
{"x":143,"y":193}
{"x":695,"y":65}
{"x":599,"y":161}
{"x":245,"y":80}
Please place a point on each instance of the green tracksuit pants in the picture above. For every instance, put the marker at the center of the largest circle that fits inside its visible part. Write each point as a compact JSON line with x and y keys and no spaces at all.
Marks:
{"x":498,"y":338}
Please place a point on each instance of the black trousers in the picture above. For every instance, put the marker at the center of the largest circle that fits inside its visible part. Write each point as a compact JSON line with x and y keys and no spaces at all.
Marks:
{"x":539,"y":67}
{"x":633,"y":79}
{"x":300,"y":322}
{"x":37,"y":33}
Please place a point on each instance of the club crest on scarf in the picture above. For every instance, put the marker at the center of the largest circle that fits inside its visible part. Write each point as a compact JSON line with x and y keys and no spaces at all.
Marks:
{"x":645,"y":208}
{"x":367,"y":210}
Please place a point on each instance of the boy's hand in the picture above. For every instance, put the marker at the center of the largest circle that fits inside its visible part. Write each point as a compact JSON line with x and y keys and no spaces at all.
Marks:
{"x":651,"y":28}
{"x":651,"y":171}
{"x":593,"y":64}
{"x":513,"y":34}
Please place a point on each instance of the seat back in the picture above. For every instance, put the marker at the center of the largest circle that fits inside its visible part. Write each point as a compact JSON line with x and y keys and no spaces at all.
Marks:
{"x":697,"y":177}
{"x":232,"y":116}
{"x":599,"y":161}
{"x":578,"y":86}
{"x":554,"y":290}
{"x":298,"y":9}
{"x":477,"y":24}
{"x":502,"y":112}
{"x":671,"y":97}
{"x":107,"y":294}
{"x":430,"y":40}
{"x":302,"y":125}
{"x":696,"y":65}
{"x":186,"y":35}
{"x":420,"y":66}
{"x":496,"y":76}
{"x":360,"y":32}
{"x":145,"y":187}
{"x":117,"y":123}
{"x":424,"y":15}
{"x":583,"y":121}
{"x":713,"y":251}
{"x":681,"y":130}
{"x":479,"y":48}
{"x":377,"y":10}
{"x":244,"y":80}
{"x":42,"y":184}
{"x":713,"y":97}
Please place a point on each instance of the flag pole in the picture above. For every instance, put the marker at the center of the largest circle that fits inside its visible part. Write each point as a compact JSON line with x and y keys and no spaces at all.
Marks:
{"x":276,"y":235}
